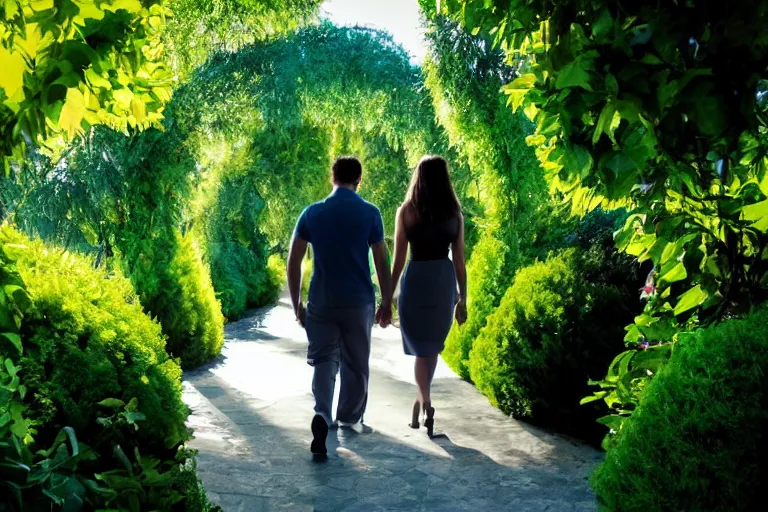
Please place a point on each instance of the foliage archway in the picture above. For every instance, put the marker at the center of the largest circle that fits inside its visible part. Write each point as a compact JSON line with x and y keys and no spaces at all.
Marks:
{"x":297,"y":104}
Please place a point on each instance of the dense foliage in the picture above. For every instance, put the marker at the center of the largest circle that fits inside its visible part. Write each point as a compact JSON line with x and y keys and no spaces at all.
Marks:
{"x":697,"y":441}
{"x":645,"y":105}
{"x":200,"y":28}
{"x":89,"y":364}
{"x":103,"y":198}
{"x":71,"y":64}
{"x":296,"y":106}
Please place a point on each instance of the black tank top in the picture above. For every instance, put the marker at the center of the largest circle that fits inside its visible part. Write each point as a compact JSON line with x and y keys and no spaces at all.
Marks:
{"x":431,"y":240}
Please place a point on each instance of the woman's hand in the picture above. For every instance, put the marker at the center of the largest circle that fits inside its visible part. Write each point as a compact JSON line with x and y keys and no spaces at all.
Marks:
{"x":461,"y":312}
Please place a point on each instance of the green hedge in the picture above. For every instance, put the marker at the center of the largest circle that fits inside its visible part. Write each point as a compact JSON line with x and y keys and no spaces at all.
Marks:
{"x":98,"y":394}
{"x":697,"y":441}
{"x":557,"y":326}
{"x":87,"y":339}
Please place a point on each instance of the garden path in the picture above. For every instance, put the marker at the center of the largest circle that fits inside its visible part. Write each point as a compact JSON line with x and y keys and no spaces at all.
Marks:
{"x":252,"y":407}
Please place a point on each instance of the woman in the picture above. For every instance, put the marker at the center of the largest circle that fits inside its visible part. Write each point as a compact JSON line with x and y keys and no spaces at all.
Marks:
{"x":430,"y":221}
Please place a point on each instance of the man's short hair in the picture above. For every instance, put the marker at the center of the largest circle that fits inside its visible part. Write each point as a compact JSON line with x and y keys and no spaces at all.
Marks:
{"x":347,"y":170}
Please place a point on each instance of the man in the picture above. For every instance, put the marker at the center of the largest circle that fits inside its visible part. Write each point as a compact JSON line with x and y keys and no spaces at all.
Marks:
{"x":340,"y":312}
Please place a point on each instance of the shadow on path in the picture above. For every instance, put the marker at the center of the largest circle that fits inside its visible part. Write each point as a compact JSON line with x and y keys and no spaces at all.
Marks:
{"x":251,"y":413}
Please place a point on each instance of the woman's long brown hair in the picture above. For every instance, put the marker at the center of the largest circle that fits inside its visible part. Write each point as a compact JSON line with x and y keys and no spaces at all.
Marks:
{"x":431,"y":193}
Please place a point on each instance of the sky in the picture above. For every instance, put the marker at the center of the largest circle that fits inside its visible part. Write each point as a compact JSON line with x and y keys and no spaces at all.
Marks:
{"x":398,"y":17}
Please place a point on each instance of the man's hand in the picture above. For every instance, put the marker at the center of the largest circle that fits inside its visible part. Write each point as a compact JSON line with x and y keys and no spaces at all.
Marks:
{"x":384,"y":314}
{"x":461,"y":312}
{"x":301,"y":315}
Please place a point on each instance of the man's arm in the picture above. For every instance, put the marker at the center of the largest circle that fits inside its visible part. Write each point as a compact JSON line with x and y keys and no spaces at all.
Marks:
{"x":295,"y":256}
{"x":381,"y":261}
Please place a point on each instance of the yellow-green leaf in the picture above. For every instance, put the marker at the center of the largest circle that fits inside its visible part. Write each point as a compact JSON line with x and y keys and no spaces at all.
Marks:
{"x":11,"y":9}
{"x":675,"y":274}
{"x":96,"y":80}
{"x":128,"y":5}
{"x":692,"y":298}
{"x":139,"y":110}
{"x":88,"y":10}
{"x":755,"y":212}
{"x":12,"y":77}
{"x":41,"y":5}
{"x":123,"y":97}
{"x":518,"y":88}
{"x":72,"y":112}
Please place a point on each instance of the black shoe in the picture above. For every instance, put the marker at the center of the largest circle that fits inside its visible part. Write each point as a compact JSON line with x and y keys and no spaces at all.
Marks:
{"x":319,"y":434}
{"x":430,"y":421}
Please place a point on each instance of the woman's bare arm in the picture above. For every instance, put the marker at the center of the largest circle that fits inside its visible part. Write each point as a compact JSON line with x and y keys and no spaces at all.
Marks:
{"x":457,"y":248}
{"x":401,"y":248}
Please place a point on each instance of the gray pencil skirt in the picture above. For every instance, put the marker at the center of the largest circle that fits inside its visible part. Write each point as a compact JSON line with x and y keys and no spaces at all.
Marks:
{"x":426,"y":306}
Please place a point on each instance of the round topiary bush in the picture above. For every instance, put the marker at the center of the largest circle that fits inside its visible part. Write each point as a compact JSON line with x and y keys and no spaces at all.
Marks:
{"x":557,"y":326}
{"x":697,"y":441}
{"x":87,"y":339}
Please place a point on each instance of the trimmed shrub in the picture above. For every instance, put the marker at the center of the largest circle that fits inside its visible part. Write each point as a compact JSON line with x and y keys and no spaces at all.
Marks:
{"x":175,"y":288}
{"x":557,"y":326}
{"x":697,"y":441}
{"x":87,"y":339}
{"x":99,"y":420}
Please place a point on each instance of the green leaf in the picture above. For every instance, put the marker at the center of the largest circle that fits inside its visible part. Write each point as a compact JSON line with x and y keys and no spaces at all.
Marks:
{"x":70,"y":432}
{"x":613,"y":421}
{"x":578,"y":160}
{"x":15,"y":340}
{"x":573,"y":75}
{"x":604,"y":121}
{"x":112,"y":403}
{"x":613,"y":126}
{"x":602,"y":27}
{"x":593,"y":398}
{"x":651,"y":59}
{"x":691,"y":299}
{"x":675,"y":274}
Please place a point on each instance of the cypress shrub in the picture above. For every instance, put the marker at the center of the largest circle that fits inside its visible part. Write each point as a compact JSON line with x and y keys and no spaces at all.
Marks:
{"x":175,"y":288}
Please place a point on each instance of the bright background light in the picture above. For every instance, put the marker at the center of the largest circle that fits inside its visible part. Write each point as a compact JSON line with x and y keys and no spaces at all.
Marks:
{"x":401,"y":18}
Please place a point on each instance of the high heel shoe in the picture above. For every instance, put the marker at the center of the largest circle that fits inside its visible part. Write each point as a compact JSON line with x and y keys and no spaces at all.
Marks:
{"x":415,"y":415}
{"x":430,"y":421}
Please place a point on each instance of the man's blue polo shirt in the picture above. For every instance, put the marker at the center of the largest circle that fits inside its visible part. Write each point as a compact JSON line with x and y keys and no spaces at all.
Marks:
{"x":341,"y":229}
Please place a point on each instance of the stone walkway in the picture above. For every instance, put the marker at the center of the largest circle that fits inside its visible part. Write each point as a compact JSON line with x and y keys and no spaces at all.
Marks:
{"x":251,"y":411}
